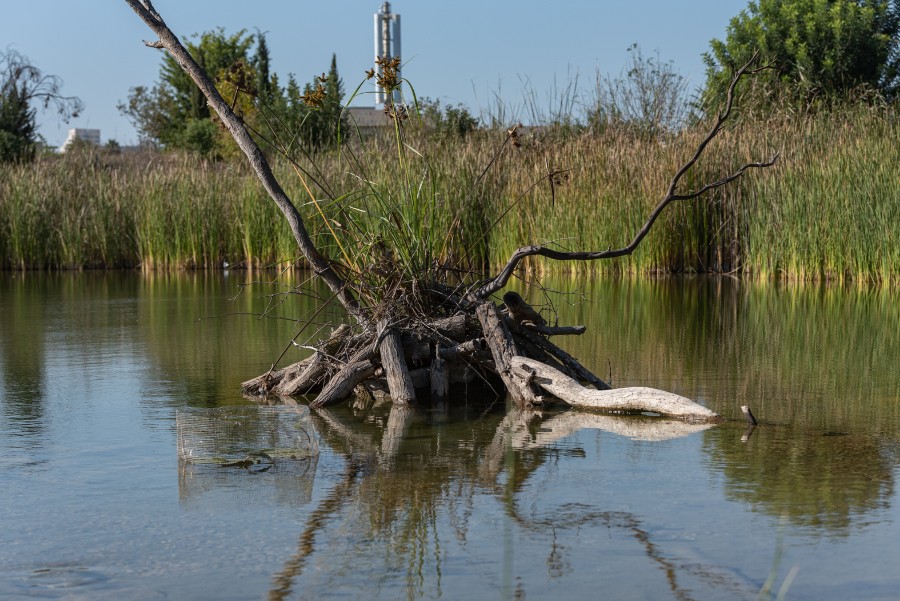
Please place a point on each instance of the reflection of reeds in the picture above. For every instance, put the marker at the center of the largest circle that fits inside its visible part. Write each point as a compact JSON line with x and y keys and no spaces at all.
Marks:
{"x":824,"y":212}
{"x":814,"y":355}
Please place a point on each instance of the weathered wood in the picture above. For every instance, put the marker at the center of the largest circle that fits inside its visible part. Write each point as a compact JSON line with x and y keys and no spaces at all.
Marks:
{"x":503,"y":349}
{"x":636,"y":399}
{"x":572,"y":364}
{"x":453,"y":327}
{"x":529,"y":349}
{"x":751,"y":419}
{"x":302,"y":376}
{"x":399,"y":383}
{"x":261,"y":385}
{"x":343,"y":382}
{"x":310,"y":379}
{"x":520,"y":311}
{"x":462,"y":350}
{"x":556,"y":330}
{"x":440,"y":379}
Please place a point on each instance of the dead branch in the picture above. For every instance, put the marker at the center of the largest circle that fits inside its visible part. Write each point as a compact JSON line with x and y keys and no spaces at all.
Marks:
{"x":498,"y":282}
{"x":235,"y":125}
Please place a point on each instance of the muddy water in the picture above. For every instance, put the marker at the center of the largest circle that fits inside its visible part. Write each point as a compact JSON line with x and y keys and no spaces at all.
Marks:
{"x":466,"y":501}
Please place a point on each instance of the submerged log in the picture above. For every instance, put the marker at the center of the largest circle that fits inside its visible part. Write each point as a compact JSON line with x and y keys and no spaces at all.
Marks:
{"x":635,"y":399}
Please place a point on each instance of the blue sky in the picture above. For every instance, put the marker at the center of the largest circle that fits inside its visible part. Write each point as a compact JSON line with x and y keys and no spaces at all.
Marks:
{"x":464,"y":51}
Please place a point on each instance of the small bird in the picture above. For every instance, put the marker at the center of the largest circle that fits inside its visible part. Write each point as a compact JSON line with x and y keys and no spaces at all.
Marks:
{"x":520,"y":311}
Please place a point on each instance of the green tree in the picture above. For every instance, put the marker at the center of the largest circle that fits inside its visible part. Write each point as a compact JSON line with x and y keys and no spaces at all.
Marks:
{"x":173,"y":112}
{"x":22,"y":85}
{"x":818,"y":48}
{"x":323,"y":99}
{"x":447,"y":121}
{"x":17,"y":127}
{"x":264,"y":81}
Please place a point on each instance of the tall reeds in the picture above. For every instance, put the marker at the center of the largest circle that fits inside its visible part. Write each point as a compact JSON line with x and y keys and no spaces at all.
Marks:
{"x":828,"y":210}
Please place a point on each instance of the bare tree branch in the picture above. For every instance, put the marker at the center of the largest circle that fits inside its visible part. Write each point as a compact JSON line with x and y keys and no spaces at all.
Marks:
{"x":320,"y":264}
{"x":498,"y":282}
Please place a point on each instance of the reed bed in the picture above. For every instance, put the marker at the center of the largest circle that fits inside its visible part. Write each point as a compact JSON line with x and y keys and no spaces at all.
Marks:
{"x":828,"y":210}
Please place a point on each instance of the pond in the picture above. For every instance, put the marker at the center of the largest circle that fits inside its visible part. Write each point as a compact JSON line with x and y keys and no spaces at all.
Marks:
{"x":473,"y":500}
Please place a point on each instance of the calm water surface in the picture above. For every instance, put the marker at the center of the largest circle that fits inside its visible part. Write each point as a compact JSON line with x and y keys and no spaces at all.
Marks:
{"x":471,"y":501}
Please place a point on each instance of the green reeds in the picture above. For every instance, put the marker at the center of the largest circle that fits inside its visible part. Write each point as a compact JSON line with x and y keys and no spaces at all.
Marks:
{"x":828,"y":210}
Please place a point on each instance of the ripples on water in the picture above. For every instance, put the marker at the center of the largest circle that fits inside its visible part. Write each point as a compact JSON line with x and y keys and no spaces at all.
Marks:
{"x":464,"y":501}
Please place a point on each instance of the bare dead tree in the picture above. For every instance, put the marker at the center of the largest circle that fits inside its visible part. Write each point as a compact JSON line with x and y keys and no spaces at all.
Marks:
{"x":235,"y":125}
{"x":471,"y":337}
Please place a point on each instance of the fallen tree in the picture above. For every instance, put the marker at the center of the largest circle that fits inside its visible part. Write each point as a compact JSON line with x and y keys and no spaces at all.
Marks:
{"x":416,"y":334}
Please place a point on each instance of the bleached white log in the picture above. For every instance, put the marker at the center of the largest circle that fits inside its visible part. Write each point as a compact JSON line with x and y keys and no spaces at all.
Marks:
{"x":635,"y":399}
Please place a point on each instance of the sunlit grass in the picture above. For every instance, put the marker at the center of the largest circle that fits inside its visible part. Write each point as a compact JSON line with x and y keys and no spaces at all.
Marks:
{"x":828,"y":210}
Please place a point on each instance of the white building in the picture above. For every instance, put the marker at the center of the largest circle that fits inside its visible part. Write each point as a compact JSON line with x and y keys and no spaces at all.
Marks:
{"x":91,"y":136}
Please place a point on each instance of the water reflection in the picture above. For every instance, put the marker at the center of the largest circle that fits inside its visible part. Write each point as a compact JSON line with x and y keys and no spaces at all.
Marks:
{"x":403,"y":487}
{"x":813,"y":356}
{"x":823,"y":481}
{"x":206,"y":333}
{"x":22,"y":356}
{"x":465,"y":499}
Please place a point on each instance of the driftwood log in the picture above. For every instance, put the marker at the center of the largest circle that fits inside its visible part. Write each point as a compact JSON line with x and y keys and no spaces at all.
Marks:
{"x":620,"y":400}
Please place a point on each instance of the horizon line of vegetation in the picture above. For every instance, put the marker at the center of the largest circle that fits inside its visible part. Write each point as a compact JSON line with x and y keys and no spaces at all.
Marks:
{"x":820,"y":214}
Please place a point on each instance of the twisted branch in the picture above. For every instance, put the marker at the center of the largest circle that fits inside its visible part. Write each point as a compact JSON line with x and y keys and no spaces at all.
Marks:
{"x":498,"y":282}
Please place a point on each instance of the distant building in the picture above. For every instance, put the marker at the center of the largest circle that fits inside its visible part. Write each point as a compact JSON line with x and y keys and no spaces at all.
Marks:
{"x":89,"y":136}
{"x":368,"y":120}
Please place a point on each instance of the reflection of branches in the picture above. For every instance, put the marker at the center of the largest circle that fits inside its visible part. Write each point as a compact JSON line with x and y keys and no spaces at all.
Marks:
{"x":526,"y":433}
{"x":825,"y":483}
{"x":336,"y":499}
{"x":576,"y":515}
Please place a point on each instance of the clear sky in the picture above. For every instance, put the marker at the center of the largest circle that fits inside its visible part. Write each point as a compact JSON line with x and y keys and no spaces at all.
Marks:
{"x":464,"y":51}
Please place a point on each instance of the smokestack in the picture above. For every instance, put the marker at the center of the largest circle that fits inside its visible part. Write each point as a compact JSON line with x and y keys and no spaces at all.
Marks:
{"x":387,"y":45}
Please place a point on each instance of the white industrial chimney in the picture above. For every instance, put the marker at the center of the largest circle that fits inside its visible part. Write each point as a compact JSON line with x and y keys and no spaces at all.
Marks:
{"x":387,"y":45}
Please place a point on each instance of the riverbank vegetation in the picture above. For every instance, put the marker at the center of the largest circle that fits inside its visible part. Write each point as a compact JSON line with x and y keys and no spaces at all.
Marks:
{"x":824,"y":212}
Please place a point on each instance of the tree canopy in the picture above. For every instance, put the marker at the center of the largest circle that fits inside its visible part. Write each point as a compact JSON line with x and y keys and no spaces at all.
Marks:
{"x":817,"y":48}
{"x":174,"y":114}
{"x":22,"y":85}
